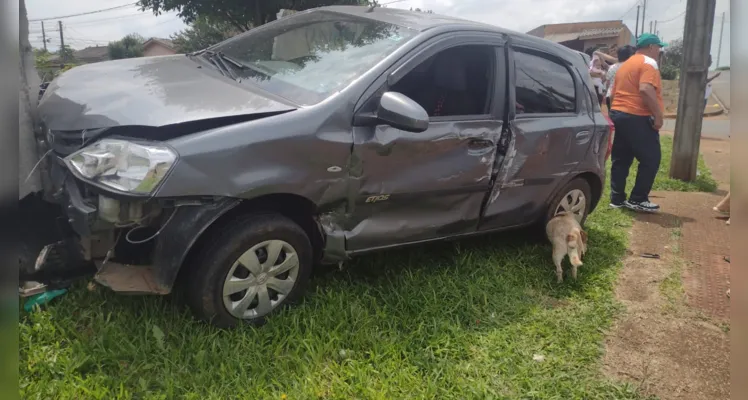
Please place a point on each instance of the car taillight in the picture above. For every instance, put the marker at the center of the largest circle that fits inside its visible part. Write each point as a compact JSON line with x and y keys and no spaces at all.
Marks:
{"x":610,"y":137}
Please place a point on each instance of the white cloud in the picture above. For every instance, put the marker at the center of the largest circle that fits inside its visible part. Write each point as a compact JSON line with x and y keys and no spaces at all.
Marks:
{"x":518,"y":15}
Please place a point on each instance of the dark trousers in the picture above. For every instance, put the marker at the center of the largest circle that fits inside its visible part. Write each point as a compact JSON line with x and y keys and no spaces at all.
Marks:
{"x":635,"y":138}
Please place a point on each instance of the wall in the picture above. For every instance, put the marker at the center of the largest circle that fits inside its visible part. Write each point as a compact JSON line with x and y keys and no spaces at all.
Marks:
{"x":157,"y":49}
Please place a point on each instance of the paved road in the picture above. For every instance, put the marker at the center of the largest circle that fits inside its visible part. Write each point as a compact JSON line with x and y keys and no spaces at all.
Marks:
{"x":721,"y":88}
{"x":718,"y":127}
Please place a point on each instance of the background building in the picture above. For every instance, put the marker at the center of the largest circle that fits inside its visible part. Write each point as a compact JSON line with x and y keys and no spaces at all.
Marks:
{"x":582,"y":35}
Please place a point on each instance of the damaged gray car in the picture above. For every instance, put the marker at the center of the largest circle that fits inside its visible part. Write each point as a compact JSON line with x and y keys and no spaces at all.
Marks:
{"x":310,"y":140}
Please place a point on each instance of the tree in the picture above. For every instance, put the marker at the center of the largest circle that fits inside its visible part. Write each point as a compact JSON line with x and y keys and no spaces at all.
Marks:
{"x":673,"y":54}
{"x":424,"y":11}
{"x":672,"y":60}
{"x":241,"y":14}
{"x":201,"y":34}
{"x":129,"y":46}
{"x":66,"y":54}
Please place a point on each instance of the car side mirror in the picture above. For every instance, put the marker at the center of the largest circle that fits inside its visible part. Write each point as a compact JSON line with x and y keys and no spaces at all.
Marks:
{"x":401,"y":112}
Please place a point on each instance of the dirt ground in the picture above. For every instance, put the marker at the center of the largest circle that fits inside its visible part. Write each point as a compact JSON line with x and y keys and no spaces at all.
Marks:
{"x":670,"y":93}
{"x":673,"y":339}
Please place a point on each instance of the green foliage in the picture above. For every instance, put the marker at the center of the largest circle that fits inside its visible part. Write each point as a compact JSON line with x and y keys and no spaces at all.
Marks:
{"x":725,"y":68}
{"x":66,"y":53}
{"x":423,"y":11}
{"x":673,"y":54}
{"x":241,"y":14}
{"x":47,"y":68}
{"x":201,"y":34}
{"x":669,"y":72}
{"x":130,"y":46}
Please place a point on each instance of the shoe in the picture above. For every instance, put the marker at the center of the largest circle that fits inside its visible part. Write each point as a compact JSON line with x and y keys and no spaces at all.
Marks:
{"x":614,"y":204}
{"x":644,"y":206}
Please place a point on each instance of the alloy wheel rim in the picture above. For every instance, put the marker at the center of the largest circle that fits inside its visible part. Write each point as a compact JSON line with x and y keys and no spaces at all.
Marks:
{"x":575,"y":203}
{"x":260,"y":279}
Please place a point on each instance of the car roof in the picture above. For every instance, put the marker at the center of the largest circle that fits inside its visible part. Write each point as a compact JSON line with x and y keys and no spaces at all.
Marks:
{"x":421,"y":22}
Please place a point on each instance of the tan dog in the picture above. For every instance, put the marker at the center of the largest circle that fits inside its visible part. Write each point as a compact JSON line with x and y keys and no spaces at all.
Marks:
{"x":567,"y":238}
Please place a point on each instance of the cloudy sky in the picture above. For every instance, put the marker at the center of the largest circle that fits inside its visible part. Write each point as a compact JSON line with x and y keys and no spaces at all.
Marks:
{"x":520,"y":15}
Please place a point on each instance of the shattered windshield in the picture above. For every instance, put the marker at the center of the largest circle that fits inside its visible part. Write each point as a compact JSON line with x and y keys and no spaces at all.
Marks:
{"x":309,"y":57}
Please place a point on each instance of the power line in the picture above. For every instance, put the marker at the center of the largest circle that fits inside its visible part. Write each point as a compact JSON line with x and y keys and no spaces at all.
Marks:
{"x":672,"y":19}
{"x":100,"y":20}
{"x":84,"y":13}
{"x":636,"y":3}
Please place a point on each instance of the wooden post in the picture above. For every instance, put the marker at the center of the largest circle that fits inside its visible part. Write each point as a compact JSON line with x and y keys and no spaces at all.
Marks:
{"x":697,"y":40}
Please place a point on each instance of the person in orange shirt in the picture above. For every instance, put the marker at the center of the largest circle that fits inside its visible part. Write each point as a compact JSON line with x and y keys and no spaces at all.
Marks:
{"x":636,"y":109}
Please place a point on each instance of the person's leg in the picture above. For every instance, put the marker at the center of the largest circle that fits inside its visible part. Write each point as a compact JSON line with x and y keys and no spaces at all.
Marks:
{"x":621,"y":157}
{"x":645,"y":143}
{"x":607,"y":103}
{"x":724,"y":204}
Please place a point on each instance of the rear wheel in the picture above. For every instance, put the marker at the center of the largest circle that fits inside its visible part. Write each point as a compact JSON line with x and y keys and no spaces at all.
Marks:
{"x":575,"y":197}
{"x":258,"y":264}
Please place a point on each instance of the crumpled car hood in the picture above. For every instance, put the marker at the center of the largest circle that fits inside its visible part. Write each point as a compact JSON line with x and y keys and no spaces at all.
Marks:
{"x":148,"y":91}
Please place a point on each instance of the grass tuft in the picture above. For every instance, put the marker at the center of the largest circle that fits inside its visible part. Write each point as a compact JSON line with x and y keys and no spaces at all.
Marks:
{"x":482,"y":318}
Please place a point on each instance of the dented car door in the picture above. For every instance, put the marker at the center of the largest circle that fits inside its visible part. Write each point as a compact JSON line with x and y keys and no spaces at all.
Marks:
{"x":411,"y":187}
{"x":551,"y":131}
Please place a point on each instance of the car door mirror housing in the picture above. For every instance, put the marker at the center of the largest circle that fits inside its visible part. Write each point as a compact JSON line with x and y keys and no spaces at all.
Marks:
{"x":401,"y":112}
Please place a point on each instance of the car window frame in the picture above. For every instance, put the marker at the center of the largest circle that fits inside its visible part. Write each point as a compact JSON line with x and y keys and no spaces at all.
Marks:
{"x":578,"y":108}
{"x":430,"y":47}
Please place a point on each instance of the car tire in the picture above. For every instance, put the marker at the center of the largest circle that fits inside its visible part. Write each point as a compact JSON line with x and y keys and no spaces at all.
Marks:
{"x":233,"y":280}
{"x":571,"y":194}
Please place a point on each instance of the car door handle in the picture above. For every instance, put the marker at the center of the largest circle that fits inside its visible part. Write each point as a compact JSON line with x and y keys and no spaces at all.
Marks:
{"x":475,"y":144}
{"x":583,"y":136}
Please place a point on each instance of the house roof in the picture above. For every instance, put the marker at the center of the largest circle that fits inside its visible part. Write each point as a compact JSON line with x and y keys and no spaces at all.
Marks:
{"x":562,"y":37}
{"x":94,"y":52}
{"x":164,"y":42}
{"x":584,"y":34}
{"x":600,"y":33}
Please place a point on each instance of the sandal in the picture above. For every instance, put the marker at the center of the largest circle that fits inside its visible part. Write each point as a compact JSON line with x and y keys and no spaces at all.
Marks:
{"x":720,"y":211}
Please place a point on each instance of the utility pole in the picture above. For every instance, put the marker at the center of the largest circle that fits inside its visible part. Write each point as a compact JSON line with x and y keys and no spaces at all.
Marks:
{"x":44,"y":38}
{"x":721,"y":31}
{"x":644,"y":16}
{"x":655,"y":28}
{"x":62,"y":43}
{"x":636,"y":34}
{"x":650,"y":26}
{"x":697,"y":40}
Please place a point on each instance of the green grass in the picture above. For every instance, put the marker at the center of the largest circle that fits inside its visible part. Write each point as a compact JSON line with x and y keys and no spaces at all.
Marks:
{"x":704,"y":181}
{"x":456,"y":320}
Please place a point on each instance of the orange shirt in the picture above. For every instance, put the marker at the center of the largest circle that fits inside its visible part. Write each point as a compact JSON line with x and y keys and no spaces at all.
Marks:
{"x":626,"y":97}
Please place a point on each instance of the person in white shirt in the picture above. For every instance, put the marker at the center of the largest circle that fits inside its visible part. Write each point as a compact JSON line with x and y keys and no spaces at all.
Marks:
{"x":708,"y":91}
{"x":623,"y":54}
{"x":597,"y":71}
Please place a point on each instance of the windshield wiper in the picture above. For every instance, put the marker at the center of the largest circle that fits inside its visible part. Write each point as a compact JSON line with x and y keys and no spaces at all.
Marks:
{"x":217,"y":59}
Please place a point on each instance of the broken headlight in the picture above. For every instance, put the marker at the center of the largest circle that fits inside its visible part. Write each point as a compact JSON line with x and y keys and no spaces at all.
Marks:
{"x":122,"y":165}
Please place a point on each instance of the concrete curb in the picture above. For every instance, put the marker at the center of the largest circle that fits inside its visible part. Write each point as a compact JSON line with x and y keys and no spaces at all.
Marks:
{"x":721,"y":110}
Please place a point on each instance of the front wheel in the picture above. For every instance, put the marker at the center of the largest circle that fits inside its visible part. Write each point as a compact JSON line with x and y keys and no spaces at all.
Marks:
{"x":575,"y":197}
{"x":258,"y":264}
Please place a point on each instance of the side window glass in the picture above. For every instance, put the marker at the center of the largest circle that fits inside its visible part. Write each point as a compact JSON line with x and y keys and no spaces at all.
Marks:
{"x":454,"y":82}
{"x":543,"y":86}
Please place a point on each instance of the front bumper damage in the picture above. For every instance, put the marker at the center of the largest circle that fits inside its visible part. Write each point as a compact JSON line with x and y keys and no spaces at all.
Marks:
{"x":135,"y":245}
